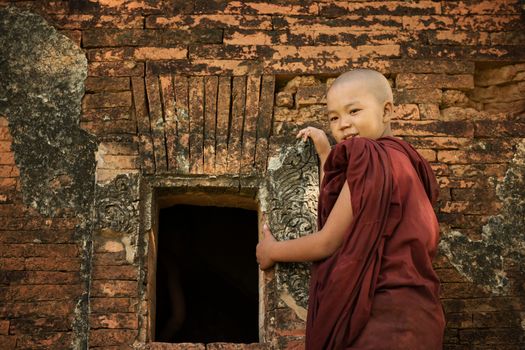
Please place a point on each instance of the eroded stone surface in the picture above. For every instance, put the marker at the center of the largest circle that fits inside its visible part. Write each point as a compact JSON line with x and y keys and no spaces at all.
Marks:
{"x":42,"y":74}
{"x":503,"y":237}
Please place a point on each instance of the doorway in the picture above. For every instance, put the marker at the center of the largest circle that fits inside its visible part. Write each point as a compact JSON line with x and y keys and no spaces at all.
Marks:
{"x":207,"y":275}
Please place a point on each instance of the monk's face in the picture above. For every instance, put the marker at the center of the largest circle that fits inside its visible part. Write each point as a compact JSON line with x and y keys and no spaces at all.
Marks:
{"x":353,"y":110}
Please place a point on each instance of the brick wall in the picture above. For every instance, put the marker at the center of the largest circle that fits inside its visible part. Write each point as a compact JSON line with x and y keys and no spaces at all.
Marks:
{"x":212,"y":87}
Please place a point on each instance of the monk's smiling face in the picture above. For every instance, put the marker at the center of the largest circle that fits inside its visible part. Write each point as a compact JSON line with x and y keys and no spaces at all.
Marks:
{"x":360,"y":105}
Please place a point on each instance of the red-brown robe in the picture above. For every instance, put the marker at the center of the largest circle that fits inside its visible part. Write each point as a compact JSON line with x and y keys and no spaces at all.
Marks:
{"x":379,"y":289}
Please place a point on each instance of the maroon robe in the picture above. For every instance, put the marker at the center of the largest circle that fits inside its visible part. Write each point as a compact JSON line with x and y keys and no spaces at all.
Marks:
{"x":378,"y":290}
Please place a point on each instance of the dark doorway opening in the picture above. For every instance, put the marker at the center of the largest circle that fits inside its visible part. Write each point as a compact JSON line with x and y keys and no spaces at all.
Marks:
{"x":207,"y":275}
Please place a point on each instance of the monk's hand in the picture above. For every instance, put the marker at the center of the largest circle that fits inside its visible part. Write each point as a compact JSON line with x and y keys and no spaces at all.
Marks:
{"x":264,"y":248}
{"x":319,"y":138}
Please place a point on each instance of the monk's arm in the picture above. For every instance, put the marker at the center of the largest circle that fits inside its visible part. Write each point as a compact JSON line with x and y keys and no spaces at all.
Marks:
{"x":320,"y":244}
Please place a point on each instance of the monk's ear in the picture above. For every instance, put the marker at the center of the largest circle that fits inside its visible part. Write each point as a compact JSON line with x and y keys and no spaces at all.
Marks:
{"x":388,"y":111}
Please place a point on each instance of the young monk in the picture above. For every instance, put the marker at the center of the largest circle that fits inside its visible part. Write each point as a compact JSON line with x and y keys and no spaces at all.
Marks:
{"x":372,"y":283}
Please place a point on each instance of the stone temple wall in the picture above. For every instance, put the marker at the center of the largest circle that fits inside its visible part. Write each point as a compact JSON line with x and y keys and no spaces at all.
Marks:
{"x":111,"y":108}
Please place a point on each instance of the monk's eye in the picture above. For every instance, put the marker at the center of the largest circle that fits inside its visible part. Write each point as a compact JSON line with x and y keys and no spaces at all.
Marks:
{"x":353,"y":111}
{"x":333,"y":118}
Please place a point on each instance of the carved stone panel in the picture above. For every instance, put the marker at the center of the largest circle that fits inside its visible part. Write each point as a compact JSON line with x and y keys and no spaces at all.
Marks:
{"x":292,"y":190}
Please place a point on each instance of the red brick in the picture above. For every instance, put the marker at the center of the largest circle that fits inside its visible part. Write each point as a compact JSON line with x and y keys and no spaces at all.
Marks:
{"x":432,"y":128}
{"x":114,"y":288}
{"x":427,"y":22}
{"x":7,"y":158}
{"x":107,"y":100}
{"x":8,"y":341}
{"x":5,"y":146}
{"x":481,"y":7}
{"x":210,"y":21}
{"x":237,"y":117}
{"x":143,"y":125}
{"x":113,"y":305}
{"x":42,"y":250}
{"x":181,"y":88}
{"x":105,"y":337}
{"x":40,"y":277}
{"x":211,"y":86}
{"x":196,"y":115}
{"x":9,"y":171}
{"x":88,"y":21}
{"x":488,"y":23}
{"x":5,"y":135}
{"x":4,"y":327}
{"x":122,"y":272}
{"x":44,"y":340}
{"x":12,"y":264}
{"x":264,"y":121}
{"x":253,"y":86}
{"x":114,"y":320}
{"x":223,"y":115}
{"x":459,"y":82}
{"x":58,"y":308}
{"x":115,"y":69}
{"x":96,"y":84}
{"x":52,"y":264}
{"x":40,"y":292}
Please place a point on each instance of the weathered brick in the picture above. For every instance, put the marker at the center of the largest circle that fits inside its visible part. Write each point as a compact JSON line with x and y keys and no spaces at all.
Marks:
{"x":52,"y":264}
{"x":255,"y":7}
{"x":108,"y":127}
{"x":105,"y":337}
{"x":40,"y":292}
{"x":181,"y":88}
{"x":8,"y":341}
{"x":481,"y":7}
{"x":490,"y":23}
{"x":113,"y":305}
{"x":45,"y":250}
{"x":415,"y":81}
{"x":223,"y":52}
{"x":116,"y":69}
{"x":432,"y":128}
{"x":114,"y":320}
{"x":143,"y":125}
{"x":419,"y":95}
{"x":223,"y":116}
{"x":96,"y":84}
{"x":264,"y":121}
{"x":211,"y":85}
{"x":39,"y":277}
{"x":427,"y":22}
{"x":185,"y":22}
{"x":149,"y":37}
{"x":114,"y":288}
{"x":7,"y":158}
{"x":156,"y":120}
{"x":435,"y":66}
{"x":196,"y":116}
{"x":88,"y":21}
{"x":122,"y":272}
{"x":237,"y":117}
{"x":253,"y":86}
{"x":4,"y":327}
{"x":107,"y":100}
{"x":341,"y":8}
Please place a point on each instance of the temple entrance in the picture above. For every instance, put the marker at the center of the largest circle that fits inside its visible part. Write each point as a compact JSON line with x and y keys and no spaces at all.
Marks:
{"x":207,"y":275}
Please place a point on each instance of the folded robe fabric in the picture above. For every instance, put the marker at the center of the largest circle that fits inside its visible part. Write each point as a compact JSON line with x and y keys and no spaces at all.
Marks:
{"x":343,"y":286}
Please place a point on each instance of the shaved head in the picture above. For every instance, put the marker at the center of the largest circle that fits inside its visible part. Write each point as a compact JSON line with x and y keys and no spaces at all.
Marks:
{"x":371,"y":80}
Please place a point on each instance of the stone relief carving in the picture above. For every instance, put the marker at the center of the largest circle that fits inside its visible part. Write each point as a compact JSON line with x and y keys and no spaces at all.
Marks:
{"x":117,"y":204}
{"x":292,"y":187}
